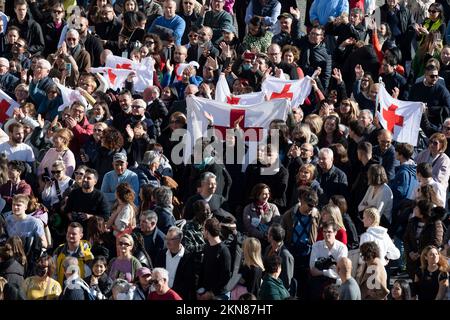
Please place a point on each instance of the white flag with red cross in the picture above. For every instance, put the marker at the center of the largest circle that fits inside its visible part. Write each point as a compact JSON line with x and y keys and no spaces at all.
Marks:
{"x":114,"y":77}
{"x":7,"y":106}
{"x":223,"y":94}
{"x":253,"y":119}
{"x":144,"y":70}
{"x":296,"y":91}
{"x":69,"y":96}
{"x":402,"y":118}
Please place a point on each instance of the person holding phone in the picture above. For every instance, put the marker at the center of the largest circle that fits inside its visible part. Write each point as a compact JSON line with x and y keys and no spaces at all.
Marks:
{"x":434,"y":22}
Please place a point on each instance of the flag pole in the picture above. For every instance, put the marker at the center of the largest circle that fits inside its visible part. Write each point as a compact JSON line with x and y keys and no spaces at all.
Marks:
{"x":380,"y":81}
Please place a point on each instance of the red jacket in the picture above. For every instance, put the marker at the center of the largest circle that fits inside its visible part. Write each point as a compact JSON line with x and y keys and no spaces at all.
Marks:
{"x":81,"y":133}
{"x":7,"y":191}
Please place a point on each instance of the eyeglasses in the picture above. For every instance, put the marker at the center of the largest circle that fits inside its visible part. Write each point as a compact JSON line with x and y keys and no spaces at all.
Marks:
{"x":149,"y":42}
{"x":365,"y":80}
{"x":79,"y":173}
{"x":71,"y":39}
{"x":58,"y":11}
{"x":56,"y":171}
{"x":124,"y":244}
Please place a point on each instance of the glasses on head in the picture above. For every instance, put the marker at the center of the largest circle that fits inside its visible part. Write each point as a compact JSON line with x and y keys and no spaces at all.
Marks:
{"x":124,"y":244}
{"x":56,"y":171}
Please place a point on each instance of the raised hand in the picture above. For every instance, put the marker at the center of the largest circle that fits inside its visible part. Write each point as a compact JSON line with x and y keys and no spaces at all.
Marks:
{"x":40,"y":120}
{"x":169,"y":66}
{"x":359,"y":72}
{"x":295,"y":12}
{"x":337,"y":75}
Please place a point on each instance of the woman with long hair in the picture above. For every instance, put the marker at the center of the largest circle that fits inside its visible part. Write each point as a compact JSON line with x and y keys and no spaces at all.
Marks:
{"x":42,"y":286}
{"x":349,"y":110}
{"x":361,"y":88}
{"x":341,"y":159}
{"x":331,"y":132}
{"x":60,"y":151}
{"x":332,"y":213}
{"x":431,"y":281}
{"x":252,"y":267}
{"x":430,"y":47}
{"x":123,"y":217}
{"x":401,"y":290}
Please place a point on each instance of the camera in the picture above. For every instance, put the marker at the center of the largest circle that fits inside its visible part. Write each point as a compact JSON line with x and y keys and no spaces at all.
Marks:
{"x":324,"y":263}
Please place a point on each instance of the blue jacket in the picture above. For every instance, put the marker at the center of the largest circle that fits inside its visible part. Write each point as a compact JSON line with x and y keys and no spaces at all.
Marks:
{"x":111,"y":180}
{"x":176,"y":24}
{"x":323,"y":9}
{"x":404,"y":181}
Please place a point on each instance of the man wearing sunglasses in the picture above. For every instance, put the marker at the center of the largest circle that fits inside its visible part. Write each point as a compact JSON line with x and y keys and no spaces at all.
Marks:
{"x":436,"y":97}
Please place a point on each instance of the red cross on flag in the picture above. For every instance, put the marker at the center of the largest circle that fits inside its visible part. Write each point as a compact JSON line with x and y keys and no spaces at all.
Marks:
{"x":115,"y":78}
{"x":402,"y":118}
{"x":7,"y":105}
{"x":253,"y":118}
{"x":144,"y":70}
{"x":223,"y":94}
{"x":296,"y":91}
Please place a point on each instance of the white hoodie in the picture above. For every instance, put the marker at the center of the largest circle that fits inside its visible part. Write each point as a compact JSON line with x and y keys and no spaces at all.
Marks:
{"x":388,"y":251}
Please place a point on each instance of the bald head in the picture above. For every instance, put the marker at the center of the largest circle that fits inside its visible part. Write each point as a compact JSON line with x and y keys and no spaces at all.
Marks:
{"x":344,"y":268}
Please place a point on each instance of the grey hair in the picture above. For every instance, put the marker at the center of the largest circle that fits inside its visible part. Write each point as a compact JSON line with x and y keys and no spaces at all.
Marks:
{"x":69,"y":261}
{"x":150,"y":215}
{"x":207,"y":175}
{"x":140,"y":103}
{"x":122,"y":285}
{"x":447,"y":120}
{"x":367,"y":112}
{"x":163,"y":196}
{"x":327,"y":151}
{"x":177,"y":231}
{"x":163,"y":272}
{"x":74,"y":31}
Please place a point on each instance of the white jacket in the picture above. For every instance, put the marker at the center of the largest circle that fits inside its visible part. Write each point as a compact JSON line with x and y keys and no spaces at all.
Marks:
{"x":388,"y":251}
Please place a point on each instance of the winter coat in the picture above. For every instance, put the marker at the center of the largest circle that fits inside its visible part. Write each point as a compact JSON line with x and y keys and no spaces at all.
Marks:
{"x":388,"y":251}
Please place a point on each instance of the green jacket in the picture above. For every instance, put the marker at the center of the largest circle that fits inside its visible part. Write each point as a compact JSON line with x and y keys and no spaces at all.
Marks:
{"x":272,"y":289}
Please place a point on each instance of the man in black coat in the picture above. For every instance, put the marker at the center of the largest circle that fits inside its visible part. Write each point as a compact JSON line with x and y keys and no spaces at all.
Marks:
{"x":314,"y":54}
{"x":91,"y":43}
{"x":29,"y":29}
{"x":179,"y":263}
{"x":274,"y":53}
{"x":109,"y":28}
{"x":332,"y":179}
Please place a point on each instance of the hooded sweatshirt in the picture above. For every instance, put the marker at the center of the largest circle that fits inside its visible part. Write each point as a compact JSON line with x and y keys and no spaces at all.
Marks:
{"x":404,"y":181}
{"x":388,"y":251}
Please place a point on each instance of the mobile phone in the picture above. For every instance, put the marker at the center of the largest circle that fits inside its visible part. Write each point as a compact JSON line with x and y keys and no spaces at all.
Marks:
{"x":68,"y":68}
{"x":437,"y":36}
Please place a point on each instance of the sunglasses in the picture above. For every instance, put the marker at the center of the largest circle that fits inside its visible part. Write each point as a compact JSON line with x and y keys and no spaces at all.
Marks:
{"x":58,"y":11}
{"x":78,"y":173}
{"x":433,"y":76}
{"x":126,"y":244}
{"x":56,"y":171}
{"x":433,"y":11}
{"x":149,"y":42}
{"x":71,"y":39}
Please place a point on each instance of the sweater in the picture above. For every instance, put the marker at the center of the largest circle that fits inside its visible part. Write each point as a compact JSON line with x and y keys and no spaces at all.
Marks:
{"x":272,"y":289}
{"x":388,"y":251}
{"x":176,"y":24}
{"x":382,"y":200}
{"x":111,"y":180}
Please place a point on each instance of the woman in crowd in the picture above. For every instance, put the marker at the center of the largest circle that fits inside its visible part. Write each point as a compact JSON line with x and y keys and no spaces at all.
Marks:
{"x":54,"y":193}
{"x":42,"y":286}
{"x":252,"y":268}
{"x":352,"y":235}
{"x":331,"y":132}
{"x":123,"y":217}
{"x":125,"y":265}
{"x":341,"y":159}
{"x":378,"y":195}
{"x":99,"y":281}
{"x":332,"y":213}
{"x":431,"y":282}
{"x":348,"y":110}
{"x":257,"y":38}
{"x":258,"y":215}
{"x":60,"y":151}
{"x":100,"y":113}
{"x":401,"y":290}
{"x":372,"y":268}
{"x":306,"y":177}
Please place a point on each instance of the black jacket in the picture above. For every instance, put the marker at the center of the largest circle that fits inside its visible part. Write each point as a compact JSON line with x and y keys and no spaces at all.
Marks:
{"x":183,"y":283}
{"x":51,"y":37}
{"x":32,"y":32}
{"x":12,"y":271}
{"x":332,"y":182}
{"x":94,"y":47}
{"x":313,"y":56}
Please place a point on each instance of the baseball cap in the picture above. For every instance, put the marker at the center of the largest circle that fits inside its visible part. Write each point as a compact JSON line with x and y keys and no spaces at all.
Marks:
{"x":143,"y":272}
{"x":285,"y":15}
{"x":120,"y":157}
{"x":150,"y":157}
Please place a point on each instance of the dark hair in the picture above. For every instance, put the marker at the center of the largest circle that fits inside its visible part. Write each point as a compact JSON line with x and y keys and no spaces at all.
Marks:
{"x":406,"y":290}
{"x":20,"y":3}
{"x":309,"y":196}
{"x":130,"y":21}
{"x":431,"y":67}
{"x":95,"y":228}
{"x":340,"y":155}
{"x":391,"y":60}
{"x":17,"y":165}
{"x":365,"y":147}
{"x":125,"y":193}
{"x":331,"y":292}
{"x":91,"y":171}
{"x":74,"y":225}
{"x":101,"y":259}
{"x":14,"y":125}
{"x":272,"y":263}
{"x":356,"y":127}
{"x":146,"y":191}
{"x":212,"y":225}
{"x":200,"y":215}
{"x":258,"y":22}
{"x":340,"y":201}
{"x":425,"y":207}
{"x":112,"y":139}
{"x":277,"y":232}
{"x":330,"y":224}
{"x":405,"y":150}
{"x":369,"y":250}
{"x":377,"y":175}
{"x":257,"y":190}
{"x":425,"y":169}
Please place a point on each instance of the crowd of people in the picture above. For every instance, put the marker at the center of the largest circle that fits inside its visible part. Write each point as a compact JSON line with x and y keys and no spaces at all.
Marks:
{"x":94,"y":205}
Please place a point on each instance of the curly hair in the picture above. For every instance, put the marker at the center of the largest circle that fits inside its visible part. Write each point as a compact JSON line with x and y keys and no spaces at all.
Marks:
{"x":369,"y":251}
{"x":112,"y":139}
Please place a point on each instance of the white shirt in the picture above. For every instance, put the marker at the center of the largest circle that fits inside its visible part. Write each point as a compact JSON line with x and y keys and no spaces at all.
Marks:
{"x":21,"y":152}
{"x":321,"y":250}
{"x":382,"y":200}
{"x":50,"y":195}
{"x":172,"y":264}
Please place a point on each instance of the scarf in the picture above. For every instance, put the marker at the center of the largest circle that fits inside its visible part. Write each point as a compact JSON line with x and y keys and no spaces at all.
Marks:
{"x":261,"y":207}
{"x":75,"y":51}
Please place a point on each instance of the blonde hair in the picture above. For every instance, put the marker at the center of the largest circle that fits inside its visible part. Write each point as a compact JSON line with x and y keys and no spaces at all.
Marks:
{"x":373,"y":214}
{"x":315,"y":122}
{"x":252,"y":253}
{"x":3,"y":282}
{"x":65,"y":134}
{"x":335,"y":213}
{"x":303,"y":130}
{"x":128,"y":237}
